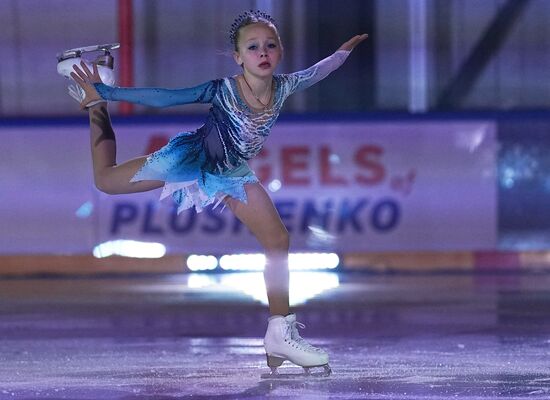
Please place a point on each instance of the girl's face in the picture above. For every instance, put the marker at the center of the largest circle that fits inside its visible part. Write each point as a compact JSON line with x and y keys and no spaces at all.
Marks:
{"x":259,"y":49}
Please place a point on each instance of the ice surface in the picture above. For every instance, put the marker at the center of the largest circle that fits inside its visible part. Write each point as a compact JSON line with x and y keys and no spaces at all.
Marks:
{"x":388,"y":338}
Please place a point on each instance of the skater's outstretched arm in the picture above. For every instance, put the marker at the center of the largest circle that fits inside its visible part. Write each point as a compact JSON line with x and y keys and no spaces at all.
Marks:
{"x":354,"y":41}
{"x":154,"y":97}
{"x":303,"y":79}
{"x":159,"y":97}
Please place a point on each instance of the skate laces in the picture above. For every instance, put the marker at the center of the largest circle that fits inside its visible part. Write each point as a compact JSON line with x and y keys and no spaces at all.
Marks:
{"x":295,"y":336}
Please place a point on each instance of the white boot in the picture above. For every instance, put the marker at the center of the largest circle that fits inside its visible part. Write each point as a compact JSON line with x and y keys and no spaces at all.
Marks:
{"x":104,"y":66}
{"x":283,"y":342}
{"x":291,"y":319}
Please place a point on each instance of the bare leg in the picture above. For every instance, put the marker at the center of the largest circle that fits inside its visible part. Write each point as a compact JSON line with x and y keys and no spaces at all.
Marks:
{"x":262,"y":218}
{"x":108,"y":176}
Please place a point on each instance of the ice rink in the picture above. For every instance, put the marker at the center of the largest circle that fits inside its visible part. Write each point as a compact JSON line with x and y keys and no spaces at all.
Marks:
{"x":189,"y":336}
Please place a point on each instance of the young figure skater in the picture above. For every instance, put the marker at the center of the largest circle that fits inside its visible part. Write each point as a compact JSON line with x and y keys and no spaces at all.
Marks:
{"x":210,"y":164}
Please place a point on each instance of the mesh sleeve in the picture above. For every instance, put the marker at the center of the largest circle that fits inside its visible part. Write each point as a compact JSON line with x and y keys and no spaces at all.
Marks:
{"x":303,"y":79}
{"x":159,"y":97}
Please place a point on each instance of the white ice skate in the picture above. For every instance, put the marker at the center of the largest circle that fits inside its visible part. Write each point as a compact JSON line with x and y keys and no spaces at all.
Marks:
{"x":105,"y":66}
{"x":283,"y":342}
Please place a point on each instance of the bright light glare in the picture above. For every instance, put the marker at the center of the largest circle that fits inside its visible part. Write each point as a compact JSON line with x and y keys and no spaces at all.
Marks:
{"x":129,"y":248}
{"x":304,"y":285}
{"x":201,"y":263}
{"x":274,"y":185}
{"x":308,"y":285}
{"x":242,"y":262}
{"x":308,"y":261}
{"x":197,"y":281}
{"x":334,"y":158}
{"x":296,"y":261}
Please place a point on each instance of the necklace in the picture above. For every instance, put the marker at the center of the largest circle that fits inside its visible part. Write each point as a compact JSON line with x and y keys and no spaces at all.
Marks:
{"x":265,"y":106}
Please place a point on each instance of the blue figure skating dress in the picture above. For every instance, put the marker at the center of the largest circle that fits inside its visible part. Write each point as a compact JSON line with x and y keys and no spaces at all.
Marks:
{"x":206,"y":165}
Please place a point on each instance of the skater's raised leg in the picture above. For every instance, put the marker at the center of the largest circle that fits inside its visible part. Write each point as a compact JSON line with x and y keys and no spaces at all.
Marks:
{"x":108,"y":176}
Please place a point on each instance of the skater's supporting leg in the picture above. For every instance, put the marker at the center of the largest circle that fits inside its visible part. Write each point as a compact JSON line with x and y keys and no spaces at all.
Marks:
{"x":262,"y":218}
{"x":282,"y":341}
{"x":108,"y":176}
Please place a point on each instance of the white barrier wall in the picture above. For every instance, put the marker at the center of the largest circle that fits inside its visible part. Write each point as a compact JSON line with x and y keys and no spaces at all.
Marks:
{"x":341,"y":186}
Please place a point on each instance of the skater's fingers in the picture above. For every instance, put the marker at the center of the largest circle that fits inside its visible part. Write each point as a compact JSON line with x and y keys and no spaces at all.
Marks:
{"x":86,"y":69}
{"x":96,"y":71}
{"x":79,"y":72}
{"x":78,"y":79}
{"x":354,"y":41}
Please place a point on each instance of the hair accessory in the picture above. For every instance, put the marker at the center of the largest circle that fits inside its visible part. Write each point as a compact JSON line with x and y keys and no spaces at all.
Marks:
{"x":247,"y":18}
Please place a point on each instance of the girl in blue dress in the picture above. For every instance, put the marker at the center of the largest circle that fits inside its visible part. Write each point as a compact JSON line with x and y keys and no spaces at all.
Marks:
{"x":209,"y":165}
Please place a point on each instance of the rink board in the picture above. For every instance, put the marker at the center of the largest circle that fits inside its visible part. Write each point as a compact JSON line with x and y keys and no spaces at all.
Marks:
{"x":339,"y":186}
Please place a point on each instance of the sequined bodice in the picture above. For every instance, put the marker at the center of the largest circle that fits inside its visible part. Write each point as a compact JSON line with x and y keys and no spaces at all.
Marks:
{"x":247,"y":129}
{"x":233,"y":131}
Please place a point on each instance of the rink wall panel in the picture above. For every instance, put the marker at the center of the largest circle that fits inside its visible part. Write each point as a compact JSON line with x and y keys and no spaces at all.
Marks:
{"x":341,"y":185}
{"x":53,"y":217}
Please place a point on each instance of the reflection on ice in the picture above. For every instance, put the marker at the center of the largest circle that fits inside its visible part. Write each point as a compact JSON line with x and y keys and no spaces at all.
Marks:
{"x":303,"y":285}
{"x":198,"y":280}
{"x":421,"y":337}
{"x":296,"y":261}
{"x":226,"y":346}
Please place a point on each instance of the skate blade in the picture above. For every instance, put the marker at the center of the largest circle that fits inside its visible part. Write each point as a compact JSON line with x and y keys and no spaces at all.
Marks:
{"x":78,"y":51}
{"x":307,"y":373}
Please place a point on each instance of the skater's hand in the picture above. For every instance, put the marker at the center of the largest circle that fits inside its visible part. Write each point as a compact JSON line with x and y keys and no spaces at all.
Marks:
{"x":354,"y":41}
{"x":86,"y":79}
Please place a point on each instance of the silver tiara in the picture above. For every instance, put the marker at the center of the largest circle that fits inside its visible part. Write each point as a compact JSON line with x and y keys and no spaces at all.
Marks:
{"x":238,"y":23}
